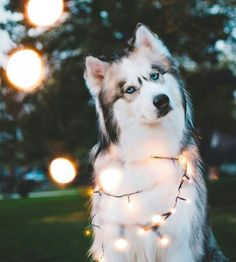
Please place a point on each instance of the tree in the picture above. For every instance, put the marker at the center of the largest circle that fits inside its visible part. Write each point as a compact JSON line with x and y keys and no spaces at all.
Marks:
{"x":62,"y":117}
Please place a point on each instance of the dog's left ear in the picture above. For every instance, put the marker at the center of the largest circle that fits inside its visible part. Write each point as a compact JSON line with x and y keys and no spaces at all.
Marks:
{"x":147,"y":39}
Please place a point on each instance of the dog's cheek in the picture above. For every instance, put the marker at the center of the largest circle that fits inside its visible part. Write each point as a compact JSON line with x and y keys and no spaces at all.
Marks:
{"x":122,"y":112}
{"x":173,"y":91}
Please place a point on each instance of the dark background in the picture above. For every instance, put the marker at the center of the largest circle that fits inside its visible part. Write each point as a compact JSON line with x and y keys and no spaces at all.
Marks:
{"x":59,"y":118}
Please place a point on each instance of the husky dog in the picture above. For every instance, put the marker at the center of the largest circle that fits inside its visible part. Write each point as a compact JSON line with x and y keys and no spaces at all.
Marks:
{"x":144,"y":111}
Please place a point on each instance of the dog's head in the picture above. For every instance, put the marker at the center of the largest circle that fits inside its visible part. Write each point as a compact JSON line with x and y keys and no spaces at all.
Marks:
{"x":141,"y":86}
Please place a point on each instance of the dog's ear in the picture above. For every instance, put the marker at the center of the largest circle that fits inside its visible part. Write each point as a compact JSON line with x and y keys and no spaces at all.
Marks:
{"x":95,"y":70}
{"x":147,"y":39}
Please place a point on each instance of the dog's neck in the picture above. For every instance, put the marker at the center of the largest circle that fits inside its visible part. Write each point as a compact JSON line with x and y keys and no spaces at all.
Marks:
{"x":139,"y":141}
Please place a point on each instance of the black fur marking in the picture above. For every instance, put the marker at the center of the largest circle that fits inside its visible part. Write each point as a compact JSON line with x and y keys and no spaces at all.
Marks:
{"x":111,"y":133}
{"x":140,"y":81}
{"x":159,"y":68}
{"x":175,"y":72}
{"x":191,"y":136}
{"x":144,"y":78}
{"x":110,"y":125}
{"x":120,"y":86}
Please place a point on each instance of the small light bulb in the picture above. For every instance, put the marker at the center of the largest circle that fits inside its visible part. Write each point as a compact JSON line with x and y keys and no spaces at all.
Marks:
{"x":141,"y":231}
{"x":188,"y":201}
{"x":121,"y":244}
{"x":89,"y":192}
{"x":164,"y":241}
{"x":189,"y":169}
{"x":182,"y":160}
{"x":131,"y":205}
{"x":109,"y":179}
{"x":157,"y":219}
{"x":87,"y":232}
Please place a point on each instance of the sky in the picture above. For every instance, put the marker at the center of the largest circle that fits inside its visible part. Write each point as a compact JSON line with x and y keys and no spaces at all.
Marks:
{"x":5,"y":41}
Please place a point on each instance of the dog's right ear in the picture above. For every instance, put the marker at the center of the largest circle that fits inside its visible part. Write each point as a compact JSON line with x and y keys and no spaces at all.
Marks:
{"x":145,"y":38}
{"x":95,"y":70}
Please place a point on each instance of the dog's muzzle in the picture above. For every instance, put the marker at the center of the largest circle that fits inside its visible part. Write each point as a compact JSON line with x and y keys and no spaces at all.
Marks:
{"x":162,"y":103}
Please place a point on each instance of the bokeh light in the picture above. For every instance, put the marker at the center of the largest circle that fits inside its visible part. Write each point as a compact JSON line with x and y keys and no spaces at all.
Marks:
{"x":24,"y":69}
{"x":121,"y":244}
{"x":141,"y":231}
{"x":62,"y":170}
{"x":44,"y":12}
{"x":109,"y":179}
{"x":157,"y":219}
{"x":89,"y":192}
{"x":183,"y":160}
{"x":88,"y":232}
{"x":164,"y":241}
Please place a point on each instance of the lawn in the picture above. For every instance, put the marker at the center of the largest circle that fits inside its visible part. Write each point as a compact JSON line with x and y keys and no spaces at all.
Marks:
{"x":51,"y":229}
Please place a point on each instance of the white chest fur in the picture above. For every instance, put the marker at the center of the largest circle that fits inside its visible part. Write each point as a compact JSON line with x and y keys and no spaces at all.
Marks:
{"x":158,"y":180}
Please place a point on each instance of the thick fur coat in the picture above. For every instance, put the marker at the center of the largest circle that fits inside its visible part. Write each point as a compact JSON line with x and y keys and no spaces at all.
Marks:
{"x":143,"y":111}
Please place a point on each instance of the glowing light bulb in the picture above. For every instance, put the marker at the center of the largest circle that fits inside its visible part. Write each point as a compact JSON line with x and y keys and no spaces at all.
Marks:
{"x":102,"y":259}
{"x":62,"y":170}
{"x":87,"y":232}
{"x":188,"y":201}
{"x":121,"y":244}
{"x":24,"y":69}
{"x":44,"y":12}
{"x":182,"y":160}
{"x":173,"y":210}
{"x":157,"y":219}
{"x":132,"y":204}
{"x":190,"y":169}
{"x":141,"y":231}
{"x":89,"y":192}
{"x":164,"y":241}
{"x":109,"y":179}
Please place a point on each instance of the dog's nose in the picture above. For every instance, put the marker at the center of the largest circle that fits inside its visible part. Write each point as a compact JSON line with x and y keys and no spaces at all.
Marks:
{"x":161,"y":101}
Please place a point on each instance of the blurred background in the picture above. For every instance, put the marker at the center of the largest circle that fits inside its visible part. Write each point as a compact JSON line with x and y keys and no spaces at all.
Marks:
{"x":48,"y":121}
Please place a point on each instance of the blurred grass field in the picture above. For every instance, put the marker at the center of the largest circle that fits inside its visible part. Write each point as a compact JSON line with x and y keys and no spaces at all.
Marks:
{"x":51,"y":229}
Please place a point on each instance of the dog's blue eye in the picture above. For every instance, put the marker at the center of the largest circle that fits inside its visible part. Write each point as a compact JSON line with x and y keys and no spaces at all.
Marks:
{"x":154,"y":76}
{"x":130,"y":90}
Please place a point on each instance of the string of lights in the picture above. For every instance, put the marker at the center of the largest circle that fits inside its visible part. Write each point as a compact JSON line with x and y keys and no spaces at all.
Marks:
{"x":128,"y":195}
{"x":121,"y":243}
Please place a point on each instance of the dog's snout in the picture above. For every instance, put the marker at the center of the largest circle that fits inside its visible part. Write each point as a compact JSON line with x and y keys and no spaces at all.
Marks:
{"x":161,"y":101}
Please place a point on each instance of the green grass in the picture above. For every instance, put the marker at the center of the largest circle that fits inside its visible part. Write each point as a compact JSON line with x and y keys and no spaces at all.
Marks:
{"x":51,"y":229}
{"x":43,"y":229}
{"x":222,"y":196}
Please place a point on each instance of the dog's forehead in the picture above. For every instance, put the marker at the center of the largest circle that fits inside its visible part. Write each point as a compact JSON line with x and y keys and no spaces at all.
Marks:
{"x":129,"y":68}
{"x":138,"y":63}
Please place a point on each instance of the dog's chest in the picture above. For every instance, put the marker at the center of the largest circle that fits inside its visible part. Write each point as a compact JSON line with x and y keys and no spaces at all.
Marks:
{"x":148,"y":189}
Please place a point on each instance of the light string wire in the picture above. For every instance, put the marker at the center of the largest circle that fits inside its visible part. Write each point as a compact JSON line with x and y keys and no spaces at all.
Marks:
{"x":154,"y":226}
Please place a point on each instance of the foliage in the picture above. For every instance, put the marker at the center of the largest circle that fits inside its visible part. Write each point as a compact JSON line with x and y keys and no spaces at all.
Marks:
{"x":62,"y":118}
